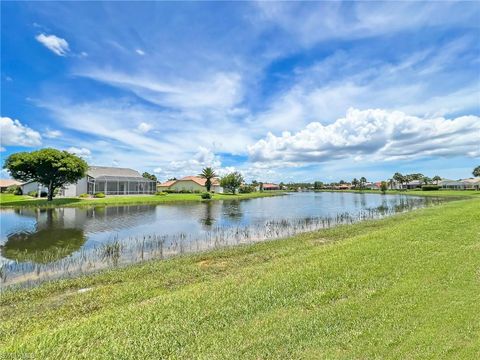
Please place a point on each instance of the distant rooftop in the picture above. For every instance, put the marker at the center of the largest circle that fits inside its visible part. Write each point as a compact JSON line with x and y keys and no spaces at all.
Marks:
{"x":97,"y":171}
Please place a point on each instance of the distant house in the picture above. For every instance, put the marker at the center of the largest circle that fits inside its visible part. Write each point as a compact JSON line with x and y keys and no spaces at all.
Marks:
{"x":270,"y":187}
{"x":190,"y":184}
{"x":5,"y":183}
{"x":472,"y":183}
{"x":463,"y":184}
{"x":108,"y":180}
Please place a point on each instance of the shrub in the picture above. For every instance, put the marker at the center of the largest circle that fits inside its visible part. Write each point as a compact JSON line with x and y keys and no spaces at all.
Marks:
{"x":84,"y":195}
{"x":383,"y":187}
{"x":99,"y":195}
{"x":161,"y":193}
{"x":14,"y":189}
{"x":43,"y":194}
{"x":246,"y":189}
{"x":430,"y":187}
{"x":32,"y":193}
{"x":206,"y":195}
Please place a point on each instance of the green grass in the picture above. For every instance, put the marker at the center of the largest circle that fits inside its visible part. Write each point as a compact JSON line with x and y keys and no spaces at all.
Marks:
{"x":405,"y":287}
{"x":8,"y":200}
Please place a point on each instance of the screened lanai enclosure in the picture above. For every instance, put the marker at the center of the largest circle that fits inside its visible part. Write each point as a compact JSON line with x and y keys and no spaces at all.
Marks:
{"x":117,"y":181}
{"x":120,"y":185}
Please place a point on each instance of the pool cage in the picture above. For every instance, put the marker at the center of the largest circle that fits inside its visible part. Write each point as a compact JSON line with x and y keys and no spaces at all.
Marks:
{"x":120,"y":185}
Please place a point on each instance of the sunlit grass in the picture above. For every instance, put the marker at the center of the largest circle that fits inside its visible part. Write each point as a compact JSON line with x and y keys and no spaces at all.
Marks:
{"x":8,"y":200}
{"x":405,"y":287}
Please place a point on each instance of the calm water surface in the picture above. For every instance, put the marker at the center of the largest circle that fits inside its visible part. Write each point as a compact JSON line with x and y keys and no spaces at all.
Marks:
{"x":41,"y":244}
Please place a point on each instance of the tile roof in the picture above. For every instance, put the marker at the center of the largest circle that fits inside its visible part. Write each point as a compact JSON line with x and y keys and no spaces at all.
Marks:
{"x":97,"y":171}
{"x":9,"y":182}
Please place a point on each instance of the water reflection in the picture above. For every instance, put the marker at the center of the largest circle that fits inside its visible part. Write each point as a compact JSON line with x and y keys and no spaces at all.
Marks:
{"x":49,"y":241}
{"x":43,"y":246}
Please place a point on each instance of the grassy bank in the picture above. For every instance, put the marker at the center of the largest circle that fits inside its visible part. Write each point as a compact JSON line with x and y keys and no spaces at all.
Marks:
{"x":8,"y":200}
{"x":446,"y":193}
{"x":406,"y":287}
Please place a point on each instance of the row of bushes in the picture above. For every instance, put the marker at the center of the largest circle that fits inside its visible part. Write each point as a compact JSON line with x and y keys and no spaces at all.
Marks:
{"x":430,"y":187}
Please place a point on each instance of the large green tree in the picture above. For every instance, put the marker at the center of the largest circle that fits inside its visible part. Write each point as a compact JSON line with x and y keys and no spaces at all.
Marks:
{"x":50,"y":167}
{"x":476,"y":171}
{"x":232,"y":181}
{"x":209,"y":174}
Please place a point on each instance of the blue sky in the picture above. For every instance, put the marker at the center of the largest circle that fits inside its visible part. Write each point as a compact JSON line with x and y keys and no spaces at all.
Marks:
{"x":281,"y":91}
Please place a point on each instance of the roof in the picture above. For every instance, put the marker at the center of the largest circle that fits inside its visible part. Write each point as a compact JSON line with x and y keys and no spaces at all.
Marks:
{"x":200,"y":181}
{"x":270,"y":185}
{"x":472,"y":180}
{"x":9,"y":182}
{"x":168,"y":183}
{"x":100,"y":171}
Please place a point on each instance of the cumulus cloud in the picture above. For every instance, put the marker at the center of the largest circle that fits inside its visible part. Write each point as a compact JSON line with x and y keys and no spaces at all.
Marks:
{"x":13,"y":133}
{"x":54,"y":43}
{"x":378,"y":134}
{"x":82,"y":152}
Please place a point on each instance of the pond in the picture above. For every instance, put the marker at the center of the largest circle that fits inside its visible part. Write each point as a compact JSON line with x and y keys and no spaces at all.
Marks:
{"x":42,"y":244}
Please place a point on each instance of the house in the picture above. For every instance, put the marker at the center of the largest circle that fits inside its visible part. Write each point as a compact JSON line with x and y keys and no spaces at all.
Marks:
{"x":462,"y":184}
{"x":5,"y":183}
{"x":270,"y":187}
{"x":31,"y":186}
{"x":190,"y":184}
{"x":472,"y":183}
{"x":108,"y":180}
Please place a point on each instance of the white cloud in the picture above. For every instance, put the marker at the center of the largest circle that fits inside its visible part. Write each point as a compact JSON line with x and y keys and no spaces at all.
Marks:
{"x":157,"y":170}
{"x":52,"y":134}
{"x":13,"y":133}
{"x":218,"y":90}
{"x":82,"y":152}
{"x":54,"y":43}
{"x":144,"y":127}
{"x":140,"y":52}
{"x":373,"y":135}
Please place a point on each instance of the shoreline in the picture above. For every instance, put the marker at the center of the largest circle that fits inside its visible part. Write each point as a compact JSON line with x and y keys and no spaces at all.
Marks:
{"x":320,"y":277}
{"x":24,"y":201}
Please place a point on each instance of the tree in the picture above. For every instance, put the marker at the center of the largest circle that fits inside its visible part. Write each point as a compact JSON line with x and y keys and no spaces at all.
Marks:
{"x":209,"y":174}
{"x":399,"y":178}
{"x":149,"y":176}
{"x":476,"y":171}
{"x":426,"y":180}
{"x":363,"y":180}
{"x":232,"y":181}
{"x":50,"y":167}
{"x":383,"y":187}
{"x":436,"y":178}
{"x":355,"y":182}
{"x":317,"y":185}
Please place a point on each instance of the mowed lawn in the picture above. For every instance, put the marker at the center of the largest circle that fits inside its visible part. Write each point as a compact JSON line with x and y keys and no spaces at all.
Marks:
{"x":406,"y":287}
{"x":9,"y":200}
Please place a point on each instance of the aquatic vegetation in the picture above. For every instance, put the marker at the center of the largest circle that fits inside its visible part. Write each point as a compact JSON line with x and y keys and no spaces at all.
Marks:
{"x":41,"y":266}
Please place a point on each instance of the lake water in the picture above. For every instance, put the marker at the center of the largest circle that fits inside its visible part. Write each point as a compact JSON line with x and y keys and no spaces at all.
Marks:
{"x":41,"y":244}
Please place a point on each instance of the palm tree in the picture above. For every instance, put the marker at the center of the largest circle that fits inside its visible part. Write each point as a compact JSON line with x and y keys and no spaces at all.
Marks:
{"x":355,"y":182}
{"x":399,"y":178}
{"x":208,"y":173}
{"x":436,"y":178}
{"x":363,"y":180}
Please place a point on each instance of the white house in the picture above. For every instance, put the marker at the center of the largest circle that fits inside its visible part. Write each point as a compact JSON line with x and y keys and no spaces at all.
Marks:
{"x":190,"y":184}
{"x":108,"y":180}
